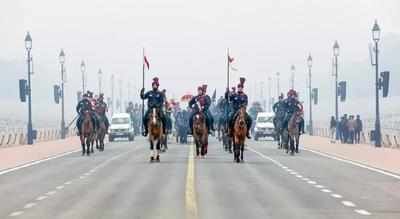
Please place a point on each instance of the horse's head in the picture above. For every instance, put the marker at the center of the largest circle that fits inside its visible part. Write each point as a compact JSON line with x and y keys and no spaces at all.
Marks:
{"x":154,"y":117}
{"x":242,"y":116}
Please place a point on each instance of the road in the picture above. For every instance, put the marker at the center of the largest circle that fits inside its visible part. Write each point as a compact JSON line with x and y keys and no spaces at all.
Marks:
{"x":121,"y":183}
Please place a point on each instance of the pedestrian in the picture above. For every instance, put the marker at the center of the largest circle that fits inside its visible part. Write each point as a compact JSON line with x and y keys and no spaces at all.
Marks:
{"x":359,"y":129}
{"x":345,"y":129}
{"x":341,"y":131}
{"x":351,"y":126}
{"x":332,"y":127}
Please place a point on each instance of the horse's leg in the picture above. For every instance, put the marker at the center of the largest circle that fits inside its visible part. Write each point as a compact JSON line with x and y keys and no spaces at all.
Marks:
{"x":197,"y":148}
{"x":151,"y":150}
{"x":82,"y":144}
{"x":87,"y":146}
{"x":297,"y":143}
{"x":291,"y":145}
{"x":158,"y":147}
{"x":242,"y":151}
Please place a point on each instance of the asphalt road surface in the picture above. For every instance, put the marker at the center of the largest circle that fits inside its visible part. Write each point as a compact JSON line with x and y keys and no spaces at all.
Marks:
{"x":121,"y":183}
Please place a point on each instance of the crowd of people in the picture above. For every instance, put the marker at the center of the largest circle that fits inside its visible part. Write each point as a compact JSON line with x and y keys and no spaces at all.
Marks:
{"x":348,"y":129}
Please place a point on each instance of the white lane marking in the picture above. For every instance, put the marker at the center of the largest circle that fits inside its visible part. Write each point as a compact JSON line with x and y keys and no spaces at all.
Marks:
{"x":284,"y":167}
{"x":16,"y":213}
{"x":82,"y":177}
{"x":59,"y":187}
{"x":312,"y":182}
{"x":359,"y":164}
{"x":40,"y":198}
{"x":348,"y":203}
{"x":51,"y":192}
{"x":34,"y":162}
{"x":299,"y":176}
{"x":336,"y":196}
{"x":293,"y":173}
{"x":29,"y":205}
{"x":87,"y":174}
{"x":68,"y":182}
{"x":362,"y":212}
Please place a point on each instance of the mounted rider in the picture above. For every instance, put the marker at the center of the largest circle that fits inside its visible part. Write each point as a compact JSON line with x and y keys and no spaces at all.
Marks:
{"x":101,"y":108}
{"x":292,"y":105}
{"x":85,"y":105}
{"x":204,"y":103}
{"x":238,"y":99}
{"x":279,"y":109}
{"x":207,"y":109}
{"x":156,"y":99}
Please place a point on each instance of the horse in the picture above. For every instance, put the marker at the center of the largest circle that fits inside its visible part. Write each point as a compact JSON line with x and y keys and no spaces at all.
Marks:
{"x":155,"y":134}
{"x":278,"y":124}
{"x":200,"y":134}
{"x":226,"y":139}
{"x":87,"y":133}
{"x":100,"y":134}
{"x":293,"y":133}
{"x":239,"y":134}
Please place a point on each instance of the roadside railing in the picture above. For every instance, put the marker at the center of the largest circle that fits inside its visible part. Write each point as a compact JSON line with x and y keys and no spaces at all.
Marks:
{"x":20,"y":137}
{"x":388,"y":140}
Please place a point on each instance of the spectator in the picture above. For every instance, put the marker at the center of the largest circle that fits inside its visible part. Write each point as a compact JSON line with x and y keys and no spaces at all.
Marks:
{"x":341,"y":127}
{"x":351,"y":126}
{"x":332,"y":127}
{"x":359,"y":128}
{"x":345,"y":129}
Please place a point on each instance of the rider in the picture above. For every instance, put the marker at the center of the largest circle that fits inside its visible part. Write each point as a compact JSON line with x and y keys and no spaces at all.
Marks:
{"x":101,"y":109}
{"x":238,"y":99}
{"x":279,"y":109}
{"x":204,"y":103}
{"x":291,"y":105}
{"x":207,"y":111}
{"x":82,"y":106}
{"x":156,"y":100}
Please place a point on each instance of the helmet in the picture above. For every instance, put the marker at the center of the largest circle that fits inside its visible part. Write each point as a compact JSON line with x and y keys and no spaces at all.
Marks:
{"x":292,"y":93}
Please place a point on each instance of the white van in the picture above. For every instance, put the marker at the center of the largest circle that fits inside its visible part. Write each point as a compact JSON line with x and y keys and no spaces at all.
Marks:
{"x":264,"y":126}
{"x":121,"y":127}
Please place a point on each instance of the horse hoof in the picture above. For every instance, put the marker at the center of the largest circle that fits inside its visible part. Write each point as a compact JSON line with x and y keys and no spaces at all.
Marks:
{"x":237,"y":161}
{"x":158,"y":159}
{"x":151,"y":159}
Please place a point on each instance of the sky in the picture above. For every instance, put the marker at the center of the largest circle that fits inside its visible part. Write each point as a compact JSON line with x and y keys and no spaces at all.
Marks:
{"x":186,"y":41}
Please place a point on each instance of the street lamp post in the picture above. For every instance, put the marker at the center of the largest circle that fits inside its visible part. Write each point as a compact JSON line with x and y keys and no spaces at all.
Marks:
{"x":292,"y":69}
{"x":376,"y":32}
{"x":62,"y":61}
{"x":100,"y":77}
{"x":269,"y":94}
{"x":83,"y":69}
{"x":309,"y":64}
{"x":28,"y":46}
{"x":336,"y":54}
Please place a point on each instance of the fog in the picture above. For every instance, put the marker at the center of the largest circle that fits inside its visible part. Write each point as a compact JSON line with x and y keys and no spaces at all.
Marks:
{"x":186,"y":43}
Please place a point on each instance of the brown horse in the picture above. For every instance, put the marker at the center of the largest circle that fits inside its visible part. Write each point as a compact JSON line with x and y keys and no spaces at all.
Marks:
{"x":100,"y":134}
{"x":155,"y":134}
{"x":294,"y":133}
{"x":200,"y":134}
{"x":87,"y":133}
{"x":239,"y":134}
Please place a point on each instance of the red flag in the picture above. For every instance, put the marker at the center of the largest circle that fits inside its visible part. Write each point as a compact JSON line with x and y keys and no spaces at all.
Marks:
{"x":146,"y":62}
{"x":230,"y":59}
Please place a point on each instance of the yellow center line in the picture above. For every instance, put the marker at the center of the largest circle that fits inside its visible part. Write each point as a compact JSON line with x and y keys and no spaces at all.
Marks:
{"x":190,"y":194}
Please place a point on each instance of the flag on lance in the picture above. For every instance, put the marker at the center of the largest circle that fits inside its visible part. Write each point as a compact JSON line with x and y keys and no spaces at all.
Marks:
{"x":146,"y":62}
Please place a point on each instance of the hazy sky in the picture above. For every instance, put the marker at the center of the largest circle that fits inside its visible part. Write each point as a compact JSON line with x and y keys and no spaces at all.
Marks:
{"x":186,"y":41}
